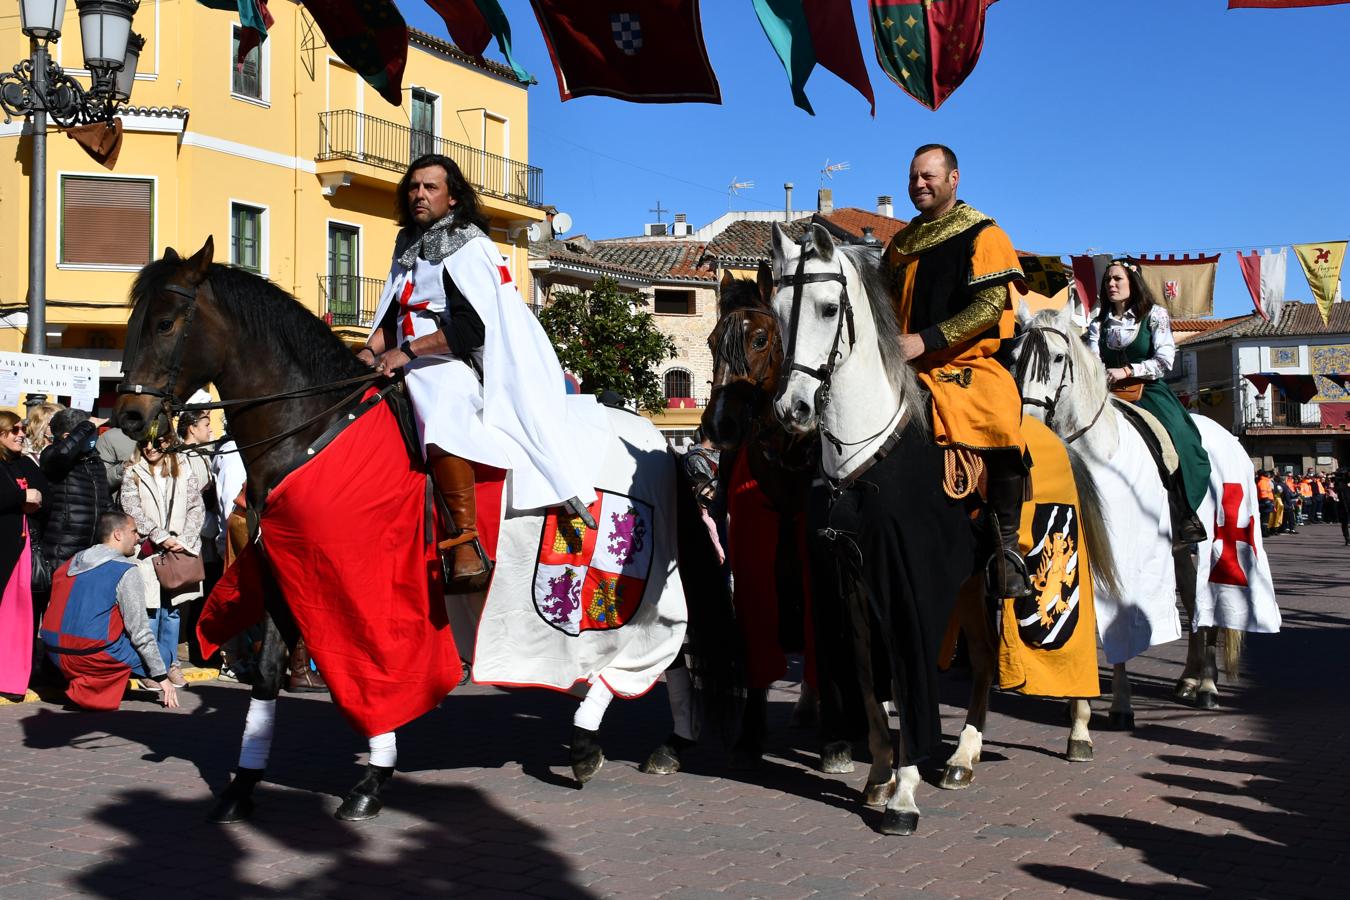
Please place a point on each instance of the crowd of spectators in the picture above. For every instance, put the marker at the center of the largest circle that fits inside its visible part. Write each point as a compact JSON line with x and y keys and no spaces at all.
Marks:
{"x":1287,"y":500}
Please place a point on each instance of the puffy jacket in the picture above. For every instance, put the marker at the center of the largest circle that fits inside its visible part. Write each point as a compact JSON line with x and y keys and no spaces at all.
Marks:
{"x":78,"y":496}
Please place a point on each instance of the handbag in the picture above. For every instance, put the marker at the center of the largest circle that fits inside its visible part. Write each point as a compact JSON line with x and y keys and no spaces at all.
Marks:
{"x":178,"y":568}
{"x":1130,"y":389}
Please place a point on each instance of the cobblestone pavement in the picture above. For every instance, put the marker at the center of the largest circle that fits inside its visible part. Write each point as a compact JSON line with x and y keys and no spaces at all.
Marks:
{"x":1247,"y":801}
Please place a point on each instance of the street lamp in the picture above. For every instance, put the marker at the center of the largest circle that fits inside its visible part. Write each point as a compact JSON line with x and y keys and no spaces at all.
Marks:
{"x":38,"y":88}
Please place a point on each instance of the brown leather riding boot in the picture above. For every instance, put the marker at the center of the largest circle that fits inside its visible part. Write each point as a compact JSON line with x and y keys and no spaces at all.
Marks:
{"x":454,"y":480}
{"x":1006,"y":570}
{"x":303,"y":680}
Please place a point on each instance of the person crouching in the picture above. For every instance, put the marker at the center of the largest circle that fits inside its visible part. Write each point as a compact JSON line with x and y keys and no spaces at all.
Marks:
{"x":96,"y":628}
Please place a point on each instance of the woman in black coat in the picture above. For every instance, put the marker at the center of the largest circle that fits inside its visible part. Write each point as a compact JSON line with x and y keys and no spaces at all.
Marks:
{"x":21,"y":489}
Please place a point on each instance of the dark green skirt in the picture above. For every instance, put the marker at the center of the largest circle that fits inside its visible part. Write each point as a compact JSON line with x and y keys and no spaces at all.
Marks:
{"x":1159,"y":400}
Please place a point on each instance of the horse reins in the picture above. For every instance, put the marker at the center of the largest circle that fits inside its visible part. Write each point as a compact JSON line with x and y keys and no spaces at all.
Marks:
{"x":1038,"y":357}
{"x":170,"y":405}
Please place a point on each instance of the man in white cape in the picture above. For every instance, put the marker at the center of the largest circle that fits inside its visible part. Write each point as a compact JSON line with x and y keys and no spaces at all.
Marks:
{"x":484,"y":381}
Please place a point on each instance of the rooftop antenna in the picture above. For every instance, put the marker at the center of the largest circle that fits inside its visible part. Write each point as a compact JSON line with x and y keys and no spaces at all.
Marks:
{"x":735,"y":188}
{"x":658,"y":210}
{"x":830,"y":169}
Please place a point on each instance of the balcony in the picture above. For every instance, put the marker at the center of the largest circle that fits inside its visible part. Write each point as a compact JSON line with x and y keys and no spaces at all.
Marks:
{"x":349,"y":141}
{"x":346,"y":301}
{"x":1272,"y":416}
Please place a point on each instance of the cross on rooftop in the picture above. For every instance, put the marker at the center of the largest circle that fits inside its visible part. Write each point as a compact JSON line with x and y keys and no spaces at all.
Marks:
{"x":658,"y":210}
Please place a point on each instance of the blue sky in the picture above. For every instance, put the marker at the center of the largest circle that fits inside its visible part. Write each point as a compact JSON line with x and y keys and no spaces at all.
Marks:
{"x":1122,"y":125}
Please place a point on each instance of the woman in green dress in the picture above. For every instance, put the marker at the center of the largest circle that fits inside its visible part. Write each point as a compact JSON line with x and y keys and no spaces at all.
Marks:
{"x":1133,"y":336}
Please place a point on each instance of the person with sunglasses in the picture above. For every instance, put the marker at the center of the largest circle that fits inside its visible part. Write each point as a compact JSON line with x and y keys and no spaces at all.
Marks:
{"x":22,"y":485}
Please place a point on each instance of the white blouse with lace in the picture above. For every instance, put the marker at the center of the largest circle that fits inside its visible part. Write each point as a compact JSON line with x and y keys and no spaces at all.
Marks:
{"x":1121,"y":332}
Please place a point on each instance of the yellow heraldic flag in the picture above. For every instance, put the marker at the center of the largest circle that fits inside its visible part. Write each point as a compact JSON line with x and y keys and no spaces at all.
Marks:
{"x":1048,"y":647}
{"x":1322,"y":264}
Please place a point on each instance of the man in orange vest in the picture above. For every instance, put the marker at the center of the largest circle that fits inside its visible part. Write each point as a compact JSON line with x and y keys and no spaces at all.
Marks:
{"x":1318,"y":496}
{"x":1265,"y":501}
{"x":1305,"y":493}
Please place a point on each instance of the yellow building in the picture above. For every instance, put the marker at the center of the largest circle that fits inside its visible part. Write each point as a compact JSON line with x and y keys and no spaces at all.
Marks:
{"x":290,"y":162}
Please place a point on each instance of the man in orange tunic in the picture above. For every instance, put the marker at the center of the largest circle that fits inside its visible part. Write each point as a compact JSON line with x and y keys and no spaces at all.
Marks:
{"x":953,"y":268}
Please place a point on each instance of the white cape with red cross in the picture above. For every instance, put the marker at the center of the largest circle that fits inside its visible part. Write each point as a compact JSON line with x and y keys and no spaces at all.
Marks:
{"x":1234,"y":588}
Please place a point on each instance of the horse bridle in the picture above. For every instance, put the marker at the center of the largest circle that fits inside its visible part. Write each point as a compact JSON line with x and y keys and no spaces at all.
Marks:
{"x":170,"y":404}
{"x":1038,"y":354}
{"x":825,"y":372}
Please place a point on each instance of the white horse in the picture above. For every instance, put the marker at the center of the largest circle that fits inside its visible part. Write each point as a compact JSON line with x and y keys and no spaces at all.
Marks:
{"x":904,"y":547}
{"x":1064,"y":385}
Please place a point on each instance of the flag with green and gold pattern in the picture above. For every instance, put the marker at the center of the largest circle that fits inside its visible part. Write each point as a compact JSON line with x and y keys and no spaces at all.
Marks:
{"x":928,"y":47}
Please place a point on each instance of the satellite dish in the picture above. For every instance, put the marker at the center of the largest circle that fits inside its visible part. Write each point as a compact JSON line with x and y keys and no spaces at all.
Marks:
{"x":562,"y":223}
{"x":534,"y":232}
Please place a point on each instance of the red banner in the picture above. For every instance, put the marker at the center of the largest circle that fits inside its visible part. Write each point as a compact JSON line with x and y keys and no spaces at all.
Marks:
{"x":649,"y":52}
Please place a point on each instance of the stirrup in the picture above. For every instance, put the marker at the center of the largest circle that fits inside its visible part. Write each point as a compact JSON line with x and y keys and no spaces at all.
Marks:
{"x":467,"y":584}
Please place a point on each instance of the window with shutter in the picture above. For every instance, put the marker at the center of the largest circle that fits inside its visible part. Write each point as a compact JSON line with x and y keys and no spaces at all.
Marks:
{"x":679,"y":384}
{"x":106,"y":221}
{"x":246,"y":236}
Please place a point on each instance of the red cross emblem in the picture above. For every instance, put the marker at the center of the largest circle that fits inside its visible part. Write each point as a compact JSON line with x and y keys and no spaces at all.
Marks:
{"x":1228,"y":570}
{"x":407,"y":308}
{"x":505,"y":273}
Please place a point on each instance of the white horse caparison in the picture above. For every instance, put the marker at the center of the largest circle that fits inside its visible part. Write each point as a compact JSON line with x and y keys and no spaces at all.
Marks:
{"x":1067,"y":390}
{"x":870,"y":391}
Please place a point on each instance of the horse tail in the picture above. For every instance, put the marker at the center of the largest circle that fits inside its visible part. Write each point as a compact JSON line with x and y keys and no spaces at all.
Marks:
{"x":1232,"y":653}
{"x":1104,"y":573}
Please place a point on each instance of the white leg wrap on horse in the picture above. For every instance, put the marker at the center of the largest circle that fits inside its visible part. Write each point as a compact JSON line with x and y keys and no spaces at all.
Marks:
{"x":256,"y":746}
{"x":680,"y":690}
{"x":592,"y":710}
{"x":383,"y":750}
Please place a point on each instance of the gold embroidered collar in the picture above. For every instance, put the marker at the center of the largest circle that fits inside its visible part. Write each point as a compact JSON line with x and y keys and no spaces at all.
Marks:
{"x":918,"y":237}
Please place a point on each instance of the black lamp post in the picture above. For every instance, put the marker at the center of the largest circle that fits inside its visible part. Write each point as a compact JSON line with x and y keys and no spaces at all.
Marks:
{"x":38,"y":88}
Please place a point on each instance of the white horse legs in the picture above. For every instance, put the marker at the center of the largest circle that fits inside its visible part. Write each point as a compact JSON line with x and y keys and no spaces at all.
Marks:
{"x":902,"y":813}
{"x":591,"y":712}
{"x":383,"y":750}
{"x":1080,"y":740}
{"x":960,"y":769}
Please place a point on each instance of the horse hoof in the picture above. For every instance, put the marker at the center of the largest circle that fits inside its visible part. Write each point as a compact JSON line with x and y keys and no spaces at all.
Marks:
{"x":894,"y":821}
{"x":663,"y":761}
{"x":231,"y":810}
{"x":1079,"y":751}
{"x":879,"y":794}
{"x":585,"y":767}
{"x":836,"y":758}
{"x":1184,"y":692}
{"x":358,"y":807}
{"x":1120,"y":721}
{"x":956,"y":778}
{"x":1206,"y":699}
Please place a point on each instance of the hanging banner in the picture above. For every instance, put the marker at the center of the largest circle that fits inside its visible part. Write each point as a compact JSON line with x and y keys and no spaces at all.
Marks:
{"x":806,"y":32}
{"x":1322,"y":265}
{"x":1265,"y":276}
{"x":368,"y":35}
{"x":1184,"y":286}
{"x":1087,"y":277}
{"x":928,"y":47}
{"x":650,"y":52}
{"x":1044,"y":274}
{"x":473,"y":23}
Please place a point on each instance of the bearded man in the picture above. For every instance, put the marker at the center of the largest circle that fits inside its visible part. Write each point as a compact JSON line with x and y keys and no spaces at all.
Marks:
{"x":953,"y":269}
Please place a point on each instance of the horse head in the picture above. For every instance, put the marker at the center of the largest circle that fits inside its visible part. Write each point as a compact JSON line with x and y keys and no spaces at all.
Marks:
{"x":1055,"y":373}
{"x":811,"y":282}
{"x":747,"y":356}
{"x":168,"y":353}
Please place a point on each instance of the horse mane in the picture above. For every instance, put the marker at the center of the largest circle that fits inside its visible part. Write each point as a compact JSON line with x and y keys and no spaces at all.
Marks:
{"x":867,"y":261}
{"x":729,"y":349}
{"x":739,"y":293}
{"x":265,"y":315}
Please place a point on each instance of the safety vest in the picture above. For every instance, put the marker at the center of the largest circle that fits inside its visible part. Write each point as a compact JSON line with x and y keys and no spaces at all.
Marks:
{"x":1305,"y":488}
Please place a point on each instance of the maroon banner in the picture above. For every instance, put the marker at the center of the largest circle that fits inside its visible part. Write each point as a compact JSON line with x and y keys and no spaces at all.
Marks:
{"x":368,"y":35}
{"x":1251,"y":273}
{"x":644,"y":51}
{"x":465,"y":22}
{"x":836,"y":42}
{"x":1085,"y":281}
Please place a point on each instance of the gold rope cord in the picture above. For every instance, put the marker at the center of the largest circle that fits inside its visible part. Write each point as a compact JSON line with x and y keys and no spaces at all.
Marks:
{"x":962,"y":469}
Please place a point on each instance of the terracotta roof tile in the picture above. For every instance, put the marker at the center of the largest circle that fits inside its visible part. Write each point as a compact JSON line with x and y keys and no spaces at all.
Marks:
{"x":854,"y":220}
{"x":679,"y":260}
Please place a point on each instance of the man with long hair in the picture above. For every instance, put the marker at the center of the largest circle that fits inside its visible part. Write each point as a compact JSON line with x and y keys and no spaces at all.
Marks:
{"x":953,"y":267}
{"x":485,"y":383}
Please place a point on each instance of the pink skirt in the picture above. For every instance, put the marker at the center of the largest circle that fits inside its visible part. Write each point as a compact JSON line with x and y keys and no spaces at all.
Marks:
{"x":16,"y":625}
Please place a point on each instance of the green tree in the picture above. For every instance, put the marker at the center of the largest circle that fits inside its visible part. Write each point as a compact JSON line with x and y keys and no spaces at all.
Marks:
{"x":605,"y":338}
